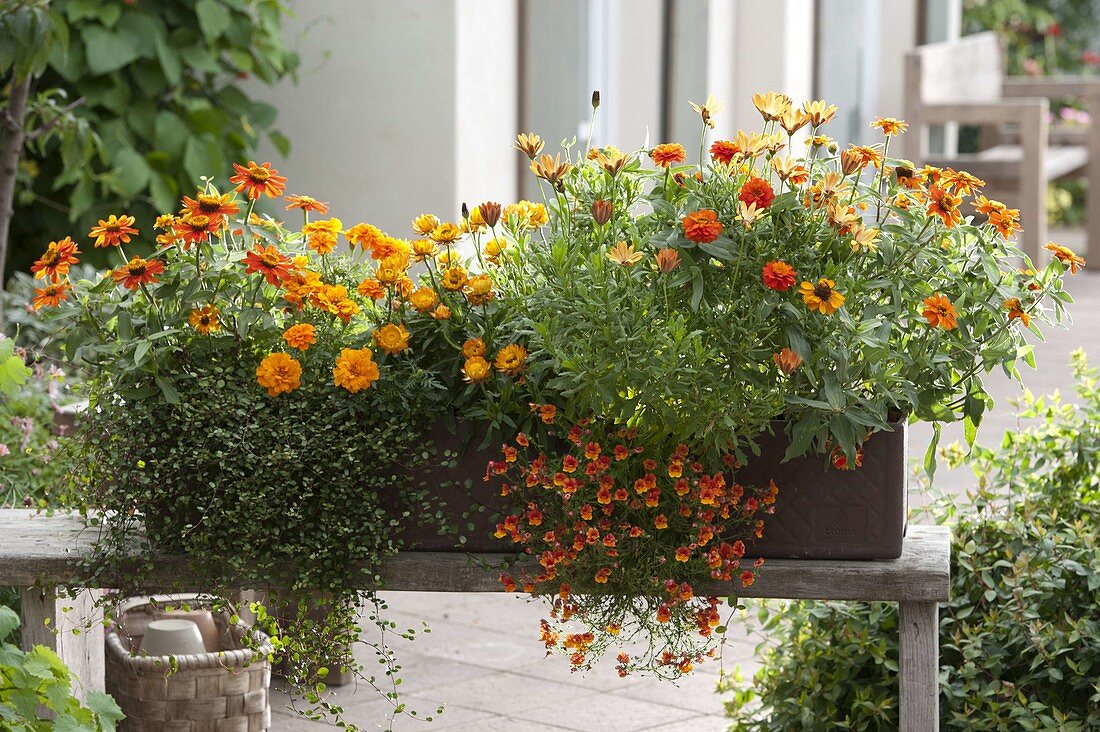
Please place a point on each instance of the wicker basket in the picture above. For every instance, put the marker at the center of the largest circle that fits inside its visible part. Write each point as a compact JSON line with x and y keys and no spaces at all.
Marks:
{"x":209,"y":692}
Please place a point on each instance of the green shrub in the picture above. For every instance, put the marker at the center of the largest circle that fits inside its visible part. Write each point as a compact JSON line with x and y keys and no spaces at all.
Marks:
{"x":1020,"y":638}
{"x":37,"y":680}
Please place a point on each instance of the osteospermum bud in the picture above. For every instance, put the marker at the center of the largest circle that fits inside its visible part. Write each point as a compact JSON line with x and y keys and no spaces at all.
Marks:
{"x":596,"y":99}
{"x":465,"y":211}
{"x":490,"y":213}
{"x":787,"y":360}
{"x":601,"y":211}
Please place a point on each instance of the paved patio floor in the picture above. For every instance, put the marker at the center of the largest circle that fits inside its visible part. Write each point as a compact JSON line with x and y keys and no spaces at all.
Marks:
{"x":483,"y":657}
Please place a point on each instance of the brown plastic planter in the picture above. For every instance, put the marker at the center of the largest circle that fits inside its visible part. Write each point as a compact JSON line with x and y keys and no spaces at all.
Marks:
{"x":821,"y":512}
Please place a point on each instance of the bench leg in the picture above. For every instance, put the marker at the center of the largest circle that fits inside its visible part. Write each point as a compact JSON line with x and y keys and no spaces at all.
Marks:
{"x":49,"y":620}
{"x":919,"y":697}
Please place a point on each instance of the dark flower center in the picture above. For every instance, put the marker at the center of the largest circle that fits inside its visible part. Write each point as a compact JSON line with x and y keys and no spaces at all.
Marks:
{"x":823,"y":291}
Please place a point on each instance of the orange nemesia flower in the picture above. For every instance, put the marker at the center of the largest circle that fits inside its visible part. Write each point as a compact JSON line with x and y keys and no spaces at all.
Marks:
{"x":940,"y":312}
{"x":258,"y":180}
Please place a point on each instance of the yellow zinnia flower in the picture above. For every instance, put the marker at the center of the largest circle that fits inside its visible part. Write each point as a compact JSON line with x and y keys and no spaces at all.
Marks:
{"x":355,"y":369}
{"x":821,"y":297}
{"x":205,"y":319}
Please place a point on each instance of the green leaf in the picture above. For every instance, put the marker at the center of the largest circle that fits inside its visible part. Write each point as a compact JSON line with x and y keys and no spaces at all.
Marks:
{"x":214,"y":18}
{"x":103,"y":706}
{"x":108,"y":51}
{"x":133,"y":172}
{"x":9,"y":621}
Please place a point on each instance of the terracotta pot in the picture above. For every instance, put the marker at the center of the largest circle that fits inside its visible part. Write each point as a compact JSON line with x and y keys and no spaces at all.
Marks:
{"x":821,"y":512}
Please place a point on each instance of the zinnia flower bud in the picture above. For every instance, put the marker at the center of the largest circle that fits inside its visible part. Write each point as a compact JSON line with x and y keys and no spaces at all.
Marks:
{"x":787,"y":360}
{"x":601,"y":211}
{"x":596,"y":99}
{"x":490,"y":213}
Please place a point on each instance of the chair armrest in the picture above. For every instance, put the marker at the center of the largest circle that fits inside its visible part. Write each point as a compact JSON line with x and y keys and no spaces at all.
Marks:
{"x":1052,"y":86}
{"x":992,"y":112}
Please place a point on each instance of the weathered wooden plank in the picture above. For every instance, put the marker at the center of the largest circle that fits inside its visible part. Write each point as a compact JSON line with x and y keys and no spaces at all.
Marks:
{"x":50,"y":620}
{"x":41,"y":549}
{"x":919,"y":692}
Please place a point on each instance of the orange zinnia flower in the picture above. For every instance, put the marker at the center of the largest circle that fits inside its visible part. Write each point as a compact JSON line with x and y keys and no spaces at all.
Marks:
{"x":1016,"y":311}
{"x":702,"y":226}
{"x":1005,"y":220}
{"x":258,"y":180}
{"x":960,"y":181}
{"x":723,"y":151}
{"x":196,"y":228}
{"x":51,"y":295}
{"x":1065,"y":256}
{"x":205,"y":320}
{"x":940,"y":312}
{"x":943,"y":203}
{"x":56,"y":260}
{"x":778,"y":275}
{"x":670,"y":153}
{"x":138,"y":272}
{"x":270,"y":262}
{"x":757,"y":191}
{"x":114,"y":231}
{"x":208,"y":204}
{"x":306,"y":203}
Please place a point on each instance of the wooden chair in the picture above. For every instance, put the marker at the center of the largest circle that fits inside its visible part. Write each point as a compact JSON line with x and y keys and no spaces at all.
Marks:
{"x":963,"y":81}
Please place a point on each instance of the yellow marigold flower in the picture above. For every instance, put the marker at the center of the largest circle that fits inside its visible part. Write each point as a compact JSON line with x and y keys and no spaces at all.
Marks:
{"x":476,"y":370}
{"x":300,"y":336}
{"x":391,"y":338}
{"x":441,"y":312}
{"x":473,"y":347}
{"x":423,"y":299}
{"x":890,"y":126}
{"x":364,"y":235}
{"x":279,"y":374}
{"x":495,"y":247}
{"x":205,"y":319}
{"x":454,"y":279}
{"x":479,"y":289}
{"x":424,"y":224}
{"x":822,"y":297}
{"x":623,"y":254}
{"x":511,"y":359}
{"x":371,"y":288}
{"x":445,"y":233}
{"x":422,"y":249}
{"x":355,"y":369}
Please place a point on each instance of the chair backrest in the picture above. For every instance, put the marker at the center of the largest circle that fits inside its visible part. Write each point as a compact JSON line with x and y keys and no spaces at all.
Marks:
{"x":970,"y":69}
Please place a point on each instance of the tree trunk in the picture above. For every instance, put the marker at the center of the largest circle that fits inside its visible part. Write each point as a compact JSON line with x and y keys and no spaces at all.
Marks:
{"x":11,"y":150}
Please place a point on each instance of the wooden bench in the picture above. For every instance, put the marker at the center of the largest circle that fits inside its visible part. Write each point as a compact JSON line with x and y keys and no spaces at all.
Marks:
{"x":963,"y":82}
{"x":38,"y":552}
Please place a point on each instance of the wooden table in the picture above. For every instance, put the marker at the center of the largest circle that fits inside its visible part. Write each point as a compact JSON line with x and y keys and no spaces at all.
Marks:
{"x":39,"y":552}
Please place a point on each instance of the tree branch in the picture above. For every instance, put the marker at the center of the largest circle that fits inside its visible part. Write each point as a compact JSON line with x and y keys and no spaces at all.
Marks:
{"x":11,"y":150}
{"x":35,"y":134}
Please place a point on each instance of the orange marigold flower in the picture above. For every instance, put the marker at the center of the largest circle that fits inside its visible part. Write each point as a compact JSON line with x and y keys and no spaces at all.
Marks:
{"x":822,"y":297}
{"x":723,"y":151}
{"x":300,"y":336}
{"x":205,"y":320}
{"x":391,"y":338}
{"x":778,"y":275}
{"x":511,"y":360}
{"x":476,"y":369}
{"x":208,"y":204}
{"x":364,"y":235}
{"x":669,"y":153}
{"x":945,"y":205}
{"x":138,"y":272}
{"x":371,"y":288}
{"x":355,"y":369}
{"x":114,"y":231}
{"x":1016,"y":311}
{"x":270,"y":262}
{"x":279,"y":374}
{"x":258,"y":180}
{"x":702,"y":226}
{"x":940,"y":312}
{"x":56,"y":260}
{"x":787,"y":360}
{"x":51,"y":295}
{"x":306,"y":203}
{"x":890,"y":126}
{"x":1065,"y":256}
{"x":757,"y":191}
{"x":667,"y":260}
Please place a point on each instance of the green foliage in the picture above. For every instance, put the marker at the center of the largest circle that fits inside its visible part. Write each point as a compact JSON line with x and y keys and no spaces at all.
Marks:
{"x":1020,"y":638}
{"x":37,"y":679}
{"x":139,"y":100}
{"x":1041,"y":36}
